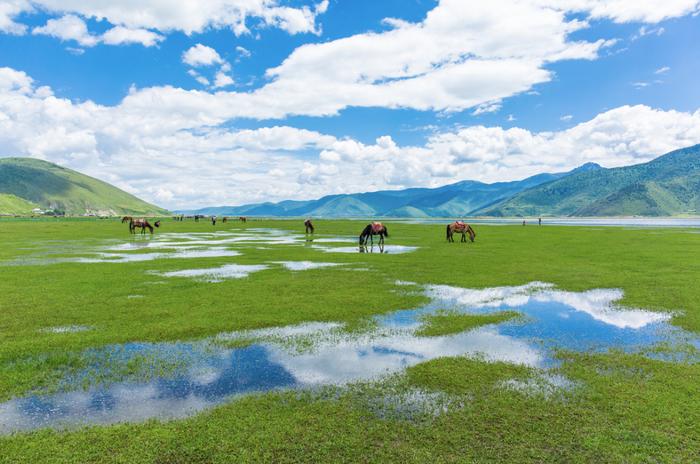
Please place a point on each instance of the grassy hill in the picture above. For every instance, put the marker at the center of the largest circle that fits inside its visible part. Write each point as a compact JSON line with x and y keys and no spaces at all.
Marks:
{"x":27,"y":183}
{"x":666,"y":186}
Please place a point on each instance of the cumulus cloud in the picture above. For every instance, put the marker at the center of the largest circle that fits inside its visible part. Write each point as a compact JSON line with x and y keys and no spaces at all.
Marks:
{"x":123,"y":35}
{"x":188,"y":16}
{"x":201,"y":55}
{"x":456,"y":58}
{"x":71,"y":27}
{"x":188,"y":159}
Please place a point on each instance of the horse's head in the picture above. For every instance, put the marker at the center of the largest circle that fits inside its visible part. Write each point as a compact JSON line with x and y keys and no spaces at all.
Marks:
{"x":156,"y":224}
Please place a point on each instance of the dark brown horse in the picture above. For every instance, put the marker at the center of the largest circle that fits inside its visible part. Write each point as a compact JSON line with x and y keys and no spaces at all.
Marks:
{"x":142,"y":224}
{"x":308,"y":225}
{"x":242,"y":218}
{"x":375,"y":228}
{"x":462,"y":228}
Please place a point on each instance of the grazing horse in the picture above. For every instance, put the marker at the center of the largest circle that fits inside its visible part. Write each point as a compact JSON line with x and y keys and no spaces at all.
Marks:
{"x":375,"y":228}
{"x":224,"y":220}
{"x":460,"y":227}
{"x":309,"y":226}
{"x":142,"y":224}
{"x":242,"y":218}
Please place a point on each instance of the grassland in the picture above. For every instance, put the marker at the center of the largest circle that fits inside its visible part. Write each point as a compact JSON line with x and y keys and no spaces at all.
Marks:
{"x":624,"y":408}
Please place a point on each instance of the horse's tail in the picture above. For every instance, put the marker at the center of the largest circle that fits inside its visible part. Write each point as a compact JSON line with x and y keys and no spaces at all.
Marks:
{"x":386,"y":232}
{"x":311,"y":226}
{"x":448,"y":232}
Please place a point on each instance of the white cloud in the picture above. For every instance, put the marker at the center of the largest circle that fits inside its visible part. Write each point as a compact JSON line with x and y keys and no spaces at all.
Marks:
{"x":202,"y":161}
{"x":9,"y":9}
{"x":69,"y":27}
{"x":566,"y":118}
{"x":222,"y":80}
{"x":243,"y":52}
{"x":188,"y":16}
{"x":662,"y":70}
{"x":201,"y":55}
{"x":122,"y":35}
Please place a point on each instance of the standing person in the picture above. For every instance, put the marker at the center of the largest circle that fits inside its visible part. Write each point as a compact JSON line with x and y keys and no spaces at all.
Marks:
{"x":540,"y":221}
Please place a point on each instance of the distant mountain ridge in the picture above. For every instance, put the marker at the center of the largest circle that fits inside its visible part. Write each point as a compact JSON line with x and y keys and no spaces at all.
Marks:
{"x":28,"y":185}
{"x":666,"y":186}
{"x":458,"y":199}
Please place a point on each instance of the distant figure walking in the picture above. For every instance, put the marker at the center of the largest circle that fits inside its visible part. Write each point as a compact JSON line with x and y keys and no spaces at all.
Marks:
{"x":308,"y":226}
{"x":523,"y":223}
{"x":539,"y":221}
{"x":375,"y":228}
{"x":462,"y":228}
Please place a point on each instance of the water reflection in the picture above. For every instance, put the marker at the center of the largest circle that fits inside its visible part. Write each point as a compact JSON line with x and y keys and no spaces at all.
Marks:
{"x":284,"y":358}
{"x":394,"y":249}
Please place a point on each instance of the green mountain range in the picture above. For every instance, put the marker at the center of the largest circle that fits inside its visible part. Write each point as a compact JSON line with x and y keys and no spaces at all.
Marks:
{"x":459,"y":199}
{"x":666,"y":186}
{"x":28,"y":185}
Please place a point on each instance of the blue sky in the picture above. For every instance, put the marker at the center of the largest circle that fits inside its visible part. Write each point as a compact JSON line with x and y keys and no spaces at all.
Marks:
{"x":439,"y":92}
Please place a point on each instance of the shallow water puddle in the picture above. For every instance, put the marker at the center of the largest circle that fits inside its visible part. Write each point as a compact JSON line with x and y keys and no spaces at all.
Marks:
{"x":317,"y":354}
{"x":305,"y":265}
{"x":393,"y":249}
{"x":218,"y":274}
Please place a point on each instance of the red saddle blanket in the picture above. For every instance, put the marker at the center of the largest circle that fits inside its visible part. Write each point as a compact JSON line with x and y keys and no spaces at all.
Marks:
{"x":459,"y":225}
{"x":377,"y":227}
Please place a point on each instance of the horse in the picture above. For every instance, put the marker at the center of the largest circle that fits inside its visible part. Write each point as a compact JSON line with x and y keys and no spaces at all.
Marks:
{"x":242,"y":218}
{"x":142,"y":224}
{"x":224,"y":220}
{"x":213,"y":220}
{"x":309,"y":226}
{"x":375,"y":228}
{"x":461,"y":227}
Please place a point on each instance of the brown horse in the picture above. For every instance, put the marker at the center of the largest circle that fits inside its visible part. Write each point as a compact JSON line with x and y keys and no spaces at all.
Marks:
{"x":375,"y":228}
{"x":142,"y":224}
{"x":460,"y":227}
{"x":308,"y":225}
{"x":242,"y":218}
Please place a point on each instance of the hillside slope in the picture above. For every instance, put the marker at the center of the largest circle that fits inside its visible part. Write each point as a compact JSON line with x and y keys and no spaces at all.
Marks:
{"x":28,"y":182}
{"x":666,"y":186}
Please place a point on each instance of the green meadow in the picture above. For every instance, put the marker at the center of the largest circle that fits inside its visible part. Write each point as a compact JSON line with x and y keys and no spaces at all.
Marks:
{"x":622,"y":407}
